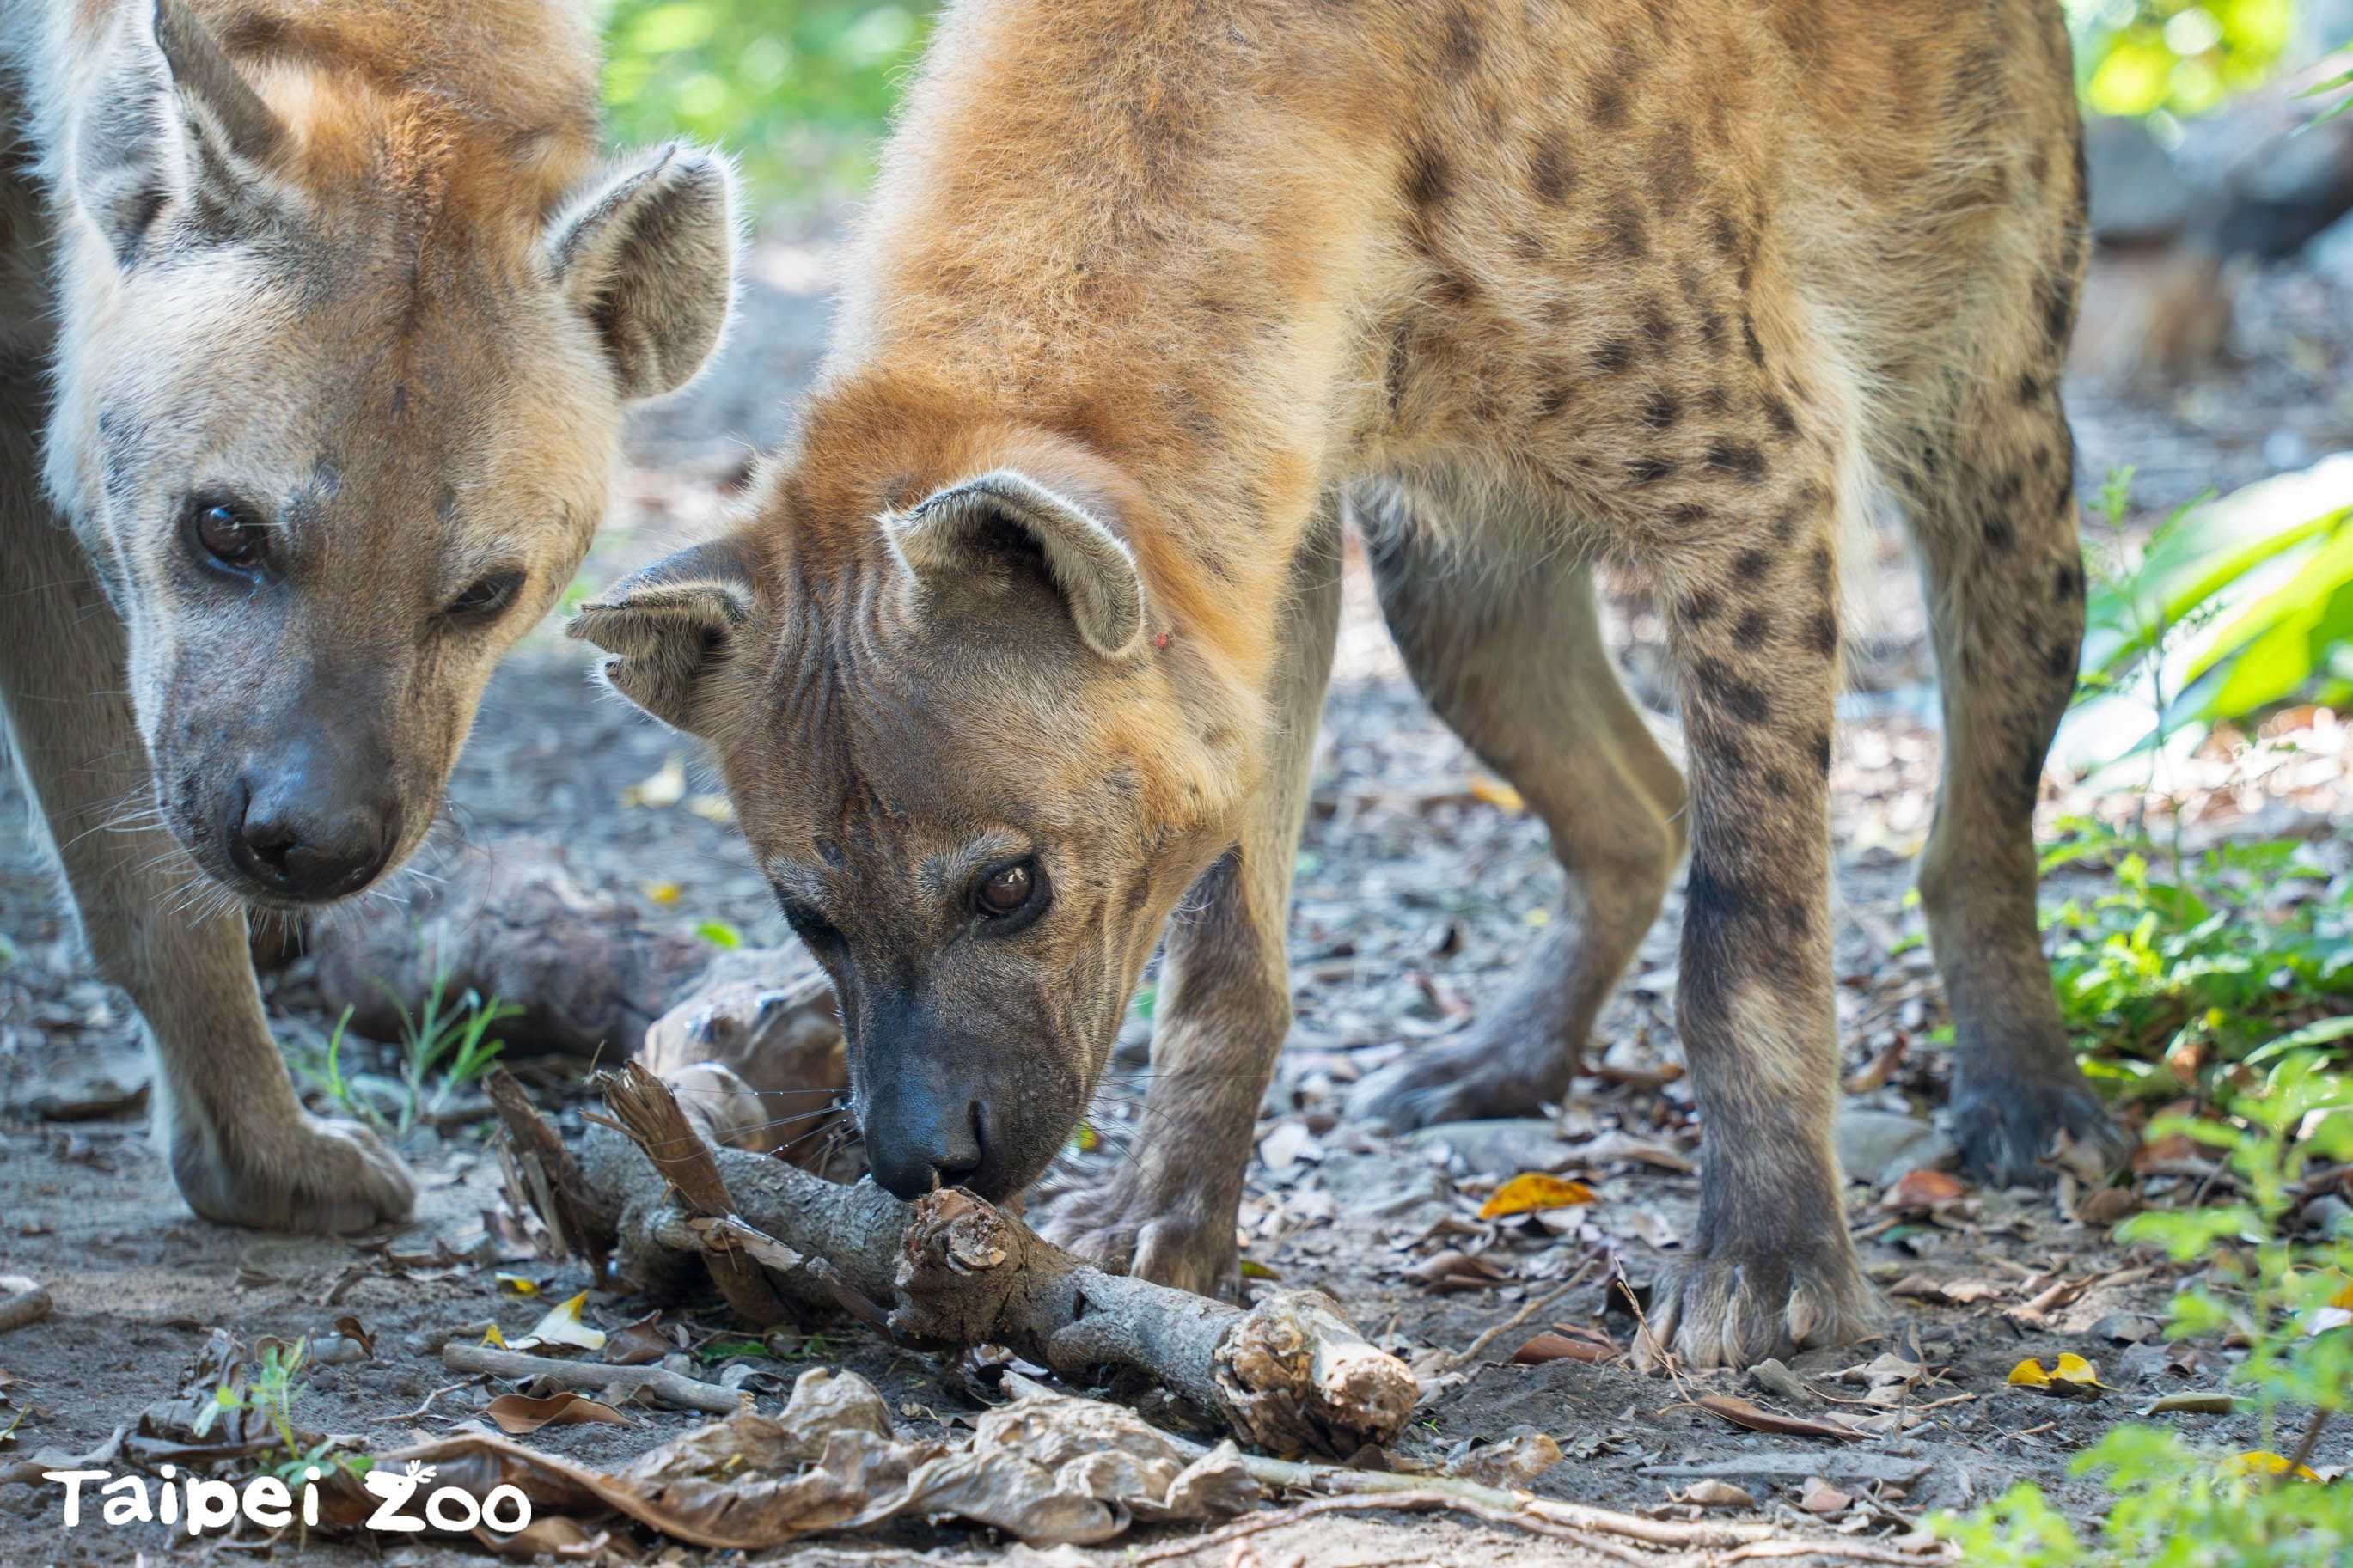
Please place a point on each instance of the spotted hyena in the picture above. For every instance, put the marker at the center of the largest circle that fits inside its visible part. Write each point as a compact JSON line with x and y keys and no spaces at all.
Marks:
{"x":317,"y":317}
{"x":1019,"y":650}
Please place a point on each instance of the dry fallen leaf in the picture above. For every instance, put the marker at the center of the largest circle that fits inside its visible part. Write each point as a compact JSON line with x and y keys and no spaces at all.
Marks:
{"x":1741,"y":1412}
{"x":1533,"y":1190}
{"x":1494,"y":792}
{"x":639,"y":1343}
{"x":1958,"y":1292}
{"x":1551,"y":1347}
{"x":1922,"y":1189}
{"x":666,"y":787}
{"x":1819,"y":1497}
{"x":2191,"y":1404}
{"x":517,"y":1414}
{"x":2263,"y":1462}
{"x":562,"y":1326}
{"x":1715,"y":1494}
{"x":2069,"y":1377}
{"x":1450,"y":1270}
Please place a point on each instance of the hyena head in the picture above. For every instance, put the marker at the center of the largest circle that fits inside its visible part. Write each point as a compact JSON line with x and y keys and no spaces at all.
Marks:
{"x":343,"y":359}
{"x":968,"y":756}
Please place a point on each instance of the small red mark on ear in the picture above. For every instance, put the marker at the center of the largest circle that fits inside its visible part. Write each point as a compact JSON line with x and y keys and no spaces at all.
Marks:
{"x":1160,"y":642}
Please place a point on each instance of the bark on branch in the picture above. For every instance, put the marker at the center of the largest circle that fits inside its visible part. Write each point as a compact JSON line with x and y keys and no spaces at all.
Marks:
{"x":1289,"y":1375}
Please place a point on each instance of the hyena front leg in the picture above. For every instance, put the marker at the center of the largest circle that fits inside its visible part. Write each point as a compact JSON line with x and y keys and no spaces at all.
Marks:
{"x":2004,"y":574}
{"x":1224,"y":1005}
{"x":1754,"y":640}
{"x":1510,"y":653}
{"x":240,"y":1145}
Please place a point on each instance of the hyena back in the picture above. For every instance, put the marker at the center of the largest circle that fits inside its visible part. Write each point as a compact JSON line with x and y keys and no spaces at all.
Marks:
{"x":317,"y":319}
{"x":1025,"y":637}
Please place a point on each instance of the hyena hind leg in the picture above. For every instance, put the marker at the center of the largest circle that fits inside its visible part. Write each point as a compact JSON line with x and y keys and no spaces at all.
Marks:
{"x":1511,"y":656}
{"x":2003,"y":571}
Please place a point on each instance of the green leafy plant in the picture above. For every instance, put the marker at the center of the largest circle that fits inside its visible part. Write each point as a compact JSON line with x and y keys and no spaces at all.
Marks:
{"x":272,"y":1391}
{"x":2233,"y":606}
{"x":445,"y":1046}
{"x":2205,"y":961}
{"x":2289,"y":1300}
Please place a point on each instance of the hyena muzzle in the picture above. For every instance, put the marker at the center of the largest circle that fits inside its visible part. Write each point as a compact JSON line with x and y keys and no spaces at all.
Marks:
{"x":1021,"y":648}
{"x":317,"y":317}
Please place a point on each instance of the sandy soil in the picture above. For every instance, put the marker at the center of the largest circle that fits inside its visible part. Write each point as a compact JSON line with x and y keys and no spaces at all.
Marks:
{"x":1418,"y":889}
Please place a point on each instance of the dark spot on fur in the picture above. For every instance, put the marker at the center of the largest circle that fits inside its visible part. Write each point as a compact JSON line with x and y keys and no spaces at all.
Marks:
{"x":1626,"y":230}
{"x":1777,"y":415}
{"x":1753,"y":628}
{"x":1555,"y":399}
{"x":2070,"y":581}
{"x":1550,"y":172}
{"x":1820,"y":749}
{"x":1651,"y":471}
{"x":1751,"y":565}
{"x":1609,"y":104}
{"x":1702,"y":606}
{"x":1426,"y":177}
{"x":1738,"y":460}
{"x":1657,"y":327}
{"x":1821,"y":634}
{"x":1463,"y":41}
{"x":1612,"y":355}
{"x":1823,"y":568}
{"x":1526,"y":246}
{"x":1749,"y":340}
{"x":1668,"y":171}
{"x":1661,"y":409}
{"x":1999,"y":536}
{"x":2061,"y":664}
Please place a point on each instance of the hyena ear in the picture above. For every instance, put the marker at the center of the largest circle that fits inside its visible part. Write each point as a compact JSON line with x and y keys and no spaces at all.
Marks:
{"x":670,"y":627}
{"x":647,"y":254}
{"x":982,"y":520}
{"x":173,"y":118}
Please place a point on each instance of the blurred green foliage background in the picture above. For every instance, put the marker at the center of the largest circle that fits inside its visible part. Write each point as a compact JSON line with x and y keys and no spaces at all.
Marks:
{"x":797,"y":88}
{"x":800,"y":88}
{"x":2185,"y":57}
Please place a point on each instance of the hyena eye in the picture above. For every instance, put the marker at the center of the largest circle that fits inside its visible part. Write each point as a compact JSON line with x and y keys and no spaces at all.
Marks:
{"x":487,"y":596}
{"x":1009,"y":890}
{"x":225,"y":532}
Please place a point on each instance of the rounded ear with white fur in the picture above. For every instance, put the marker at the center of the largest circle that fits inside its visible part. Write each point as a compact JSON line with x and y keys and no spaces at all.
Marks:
{"x":971,"y":523}
{"x":647,"y":254}
{"x":670,"y":627}
{"x":174,"y":122}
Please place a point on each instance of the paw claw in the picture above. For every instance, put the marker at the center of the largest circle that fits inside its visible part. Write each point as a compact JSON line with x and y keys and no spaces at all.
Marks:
{"x":319,"y":1176}
{"x":1460,"y":1080}
{"x":2005,"y":1130}
{"x":1734,"y":1312}
{"x":1125,"y":1235}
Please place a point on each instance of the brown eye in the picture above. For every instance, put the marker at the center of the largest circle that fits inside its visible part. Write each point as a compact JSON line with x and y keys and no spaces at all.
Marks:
{"x":1006,"y":891}
{"x":227,"y":534}
{"x":489,"y":595}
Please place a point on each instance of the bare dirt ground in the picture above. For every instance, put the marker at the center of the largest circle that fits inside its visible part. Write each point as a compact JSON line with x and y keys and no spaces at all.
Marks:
{"x":1420,"y":887}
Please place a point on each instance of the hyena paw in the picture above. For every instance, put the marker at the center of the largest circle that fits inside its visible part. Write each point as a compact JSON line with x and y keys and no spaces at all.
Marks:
{"x":1735,"y":1311}
{"x":316,"y":1175}
{"x":2006,"y":1125}
{"x":1465,"y":1078}
{"x":1123,"y":1234}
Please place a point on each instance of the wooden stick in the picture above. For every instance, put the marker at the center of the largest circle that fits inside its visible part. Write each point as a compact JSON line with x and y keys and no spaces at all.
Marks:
{"x":549,"y":1178}
{"x":23,"y":1307}
{"x":685,"y":1392}
{"x":645,"y":1105}
{"x":1290,"y":1375}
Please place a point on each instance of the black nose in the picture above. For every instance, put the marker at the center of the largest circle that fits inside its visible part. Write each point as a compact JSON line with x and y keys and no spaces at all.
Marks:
{"x":914,"y":1147}
{"x":295,"y":841}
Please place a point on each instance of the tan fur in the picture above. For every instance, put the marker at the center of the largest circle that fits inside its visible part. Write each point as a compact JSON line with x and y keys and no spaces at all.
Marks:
{"x":1688,"y":285}
{"x":352,"y":272}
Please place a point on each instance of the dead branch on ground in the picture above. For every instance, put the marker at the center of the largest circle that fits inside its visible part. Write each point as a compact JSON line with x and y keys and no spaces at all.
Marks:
{"x":1290,"y":1374}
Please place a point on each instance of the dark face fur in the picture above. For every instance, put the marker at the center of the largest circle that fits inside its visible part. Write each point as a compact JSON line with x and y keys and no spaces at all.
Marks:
{"x":964,"y":801}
